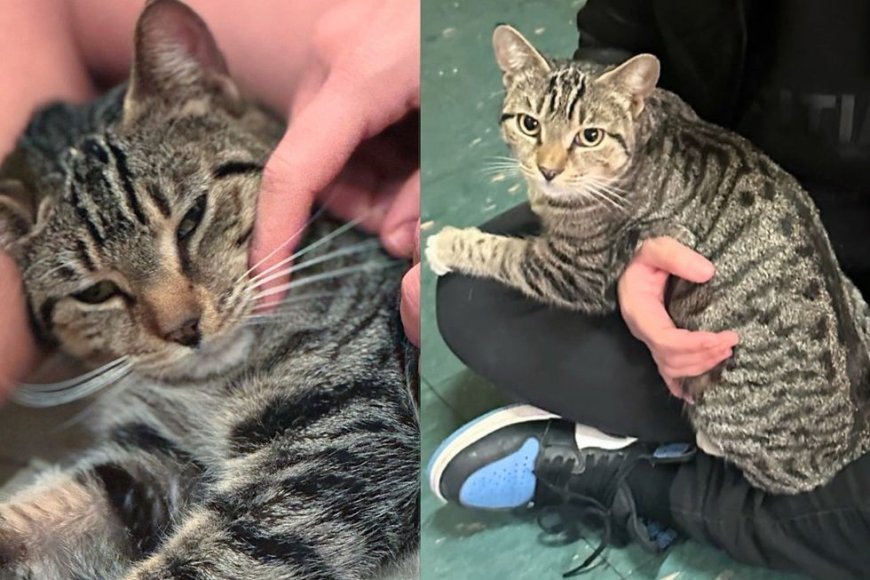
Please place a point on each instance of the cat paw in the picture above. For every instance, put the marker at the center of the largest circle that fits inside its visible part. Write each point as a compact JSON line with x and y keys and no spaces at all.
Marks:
{"x":438,"y":250}
{"x":12,"y":549}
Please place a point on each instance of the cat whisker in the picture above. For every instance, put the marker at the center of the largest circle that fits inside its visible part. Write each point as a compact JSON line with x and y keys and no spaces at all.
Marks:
{"x":263,"y":310}
{"x":602,"y":197}
{"x":285,"y":243}
{"x":301,"y":252}
{"x":346,"y":251}
{"x":609,"y":184}
{"x":60,"y":393}
{"x":614,"y":191}
{"x":338,"y":273}
{"x":508,"y":170}
{"x":295,"y":234}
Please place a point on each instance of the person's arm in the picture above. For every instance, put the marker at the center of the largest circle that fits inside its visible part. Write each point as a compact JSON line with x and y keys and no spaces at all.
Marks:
{"x":39,"y":63}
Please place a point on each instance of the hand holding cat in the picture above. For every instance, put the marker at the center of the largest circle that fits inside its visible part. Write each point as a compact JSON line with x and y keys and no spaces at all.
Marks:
{"x":678,"y":353}
{"x":353,"y":137}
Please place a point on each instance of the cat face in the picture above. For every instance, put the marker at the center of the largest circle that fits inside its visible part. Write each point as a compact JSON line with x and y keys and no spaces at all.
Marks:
{"x":570,"y":131}
{"x":142,"y":250}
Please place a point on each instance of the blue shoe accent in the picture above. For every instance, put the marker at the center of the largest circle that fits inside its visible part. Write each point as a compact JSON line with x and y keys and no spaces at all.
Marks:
{"x":673,"y":451}
{"x":661,"y":536}
{"x":506,"y":483}
{"x":455,"y":435}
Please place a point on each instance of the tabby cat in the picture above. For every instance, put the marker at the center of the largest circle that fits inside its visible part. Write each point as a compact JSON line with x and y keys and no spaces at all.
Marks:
{"x":226,"y":449}
{"x":610,"y":161}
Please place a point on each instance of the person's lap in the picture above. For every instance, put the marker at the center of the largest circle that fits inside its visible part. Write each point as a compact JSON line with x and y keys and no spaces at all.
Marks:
{"x":587,"y":369}
{"x":592,"y":370}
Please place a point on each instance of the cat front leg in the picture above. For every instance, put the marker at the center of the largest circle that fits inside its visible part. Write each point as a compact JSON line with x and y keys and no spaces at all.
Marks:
{"x":60,"y":528}
{"x":94,"y":520}
{"x":534,"y":266}
{"x":470,"y":251}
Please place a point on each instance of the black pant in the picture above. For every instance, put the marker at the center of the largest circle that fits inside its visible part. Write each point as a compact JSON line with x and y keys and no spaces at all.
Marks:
{"x":591,"y":370}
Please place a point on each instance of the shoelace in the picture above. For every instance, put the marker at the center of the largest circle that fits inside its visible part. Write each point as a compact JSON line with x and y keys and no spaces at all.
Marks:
{"x":575,"y":507}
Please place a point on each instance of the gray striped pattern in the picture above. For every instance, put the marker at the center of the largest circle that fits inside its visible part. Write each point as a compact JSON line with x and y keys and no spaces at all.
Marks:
{"x":283,"y":449}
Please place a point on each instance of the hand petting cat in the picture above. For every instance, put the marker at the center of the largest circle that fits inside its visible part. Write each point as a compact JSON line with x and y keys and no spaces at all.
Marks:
{"x":641,"y":290}
{"x":353,"y":138}
{"x":355,"y":76}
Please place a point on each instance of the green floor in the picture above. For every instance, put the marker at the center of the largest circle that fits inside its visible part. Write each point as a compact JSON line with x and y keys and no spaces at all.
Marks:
{"x":461,"y":99}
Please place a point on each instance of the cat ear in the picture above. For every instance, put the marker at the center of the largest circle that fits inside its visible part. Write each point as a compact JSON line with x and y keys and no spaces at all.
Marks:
{"x":16,"y":213}
{"x":514,"y":53}
{"x":176,"y":61}
{"x":637,"y":76}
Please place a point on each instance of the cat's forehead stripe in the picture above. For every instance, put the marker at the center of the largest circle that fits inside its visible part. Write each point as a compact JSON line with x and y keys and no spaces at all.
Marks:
{"x":565,"y":88}
{"x":126,"y":180}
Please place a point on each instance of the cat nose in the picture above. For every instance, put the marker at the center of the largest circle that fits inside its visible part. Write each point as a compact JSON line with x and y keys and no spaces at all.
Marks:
{"x":548,"y":172}
{"x":186,"y":334}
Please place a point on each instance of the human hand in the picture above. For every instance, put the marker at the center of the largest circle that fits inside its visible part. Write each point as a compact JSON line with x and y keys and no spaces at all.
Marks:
{"x":353,"y":139}
{"x":678,"y":353}
{"x":18,"y":351}
{"x":40,"y":63}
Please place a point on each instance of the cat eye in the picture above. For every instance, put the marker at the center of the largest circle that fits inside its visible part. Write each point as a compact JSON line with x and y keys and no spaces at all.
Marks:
{"x":191,"y":219}
{"x":99,"y":292}
{"x":528,"y":125}
{"x":589,"y":137}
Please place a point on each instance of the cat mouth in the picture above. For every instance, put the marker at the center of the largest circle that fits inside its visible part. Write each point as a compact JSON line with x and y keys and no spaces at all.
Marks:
{"x":215,"y":356}
{"x":555,"y":190}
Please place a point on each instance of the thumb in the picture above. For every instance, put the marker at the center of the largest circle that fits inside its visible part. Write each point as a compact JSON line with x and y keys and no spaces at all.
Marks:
{"x":410,"y":308}
{"x":674,"y":258}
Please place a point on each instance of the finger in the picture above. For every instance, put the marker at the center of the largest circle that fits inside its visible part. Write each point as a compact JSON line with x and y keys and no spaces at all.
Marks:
{"x":680,"y":341}
{"x":295,"y":174}
{"x":673,"y":257}
{"x":307,"y":89}
{"x":673,"y":386}
{"x":696,"y":368}
{"x":705,"y":357}
{"x":410,"y":308}
{"x":399,"y":230}
{"x":646,"y":317}
{"x":17,"y":345}
{"x":376,"y":177}
{"x":359,"y":193}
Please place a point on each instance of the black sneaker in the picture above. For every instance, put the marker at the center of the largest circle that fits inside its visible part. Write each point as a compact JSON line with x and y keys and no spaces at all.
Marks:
{"x":569,"y":474}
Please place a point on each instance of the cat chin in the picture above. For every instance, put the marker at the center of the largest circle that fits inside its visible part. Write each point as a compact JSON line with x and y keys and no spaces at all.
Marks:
{"x":554,"y":191}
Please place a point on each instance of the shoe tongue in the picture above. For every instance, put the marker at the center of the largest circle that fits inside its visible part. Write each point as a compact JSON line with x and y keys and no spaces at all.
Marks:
{"x":586,"y":436}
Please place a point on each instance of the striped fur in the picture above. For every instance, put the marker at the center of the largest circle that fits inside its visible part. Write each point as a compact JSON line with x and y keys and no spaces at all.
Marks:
{"x":285,"y":450}
{"x":790,"y":407}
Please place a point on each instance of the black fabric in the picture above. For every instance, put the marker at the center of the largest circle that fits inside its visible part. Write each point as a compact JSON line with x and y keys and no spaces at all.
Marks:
{"x":651,"y":487}
{"x":791,"y":75}
{"x":824,"y":533}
